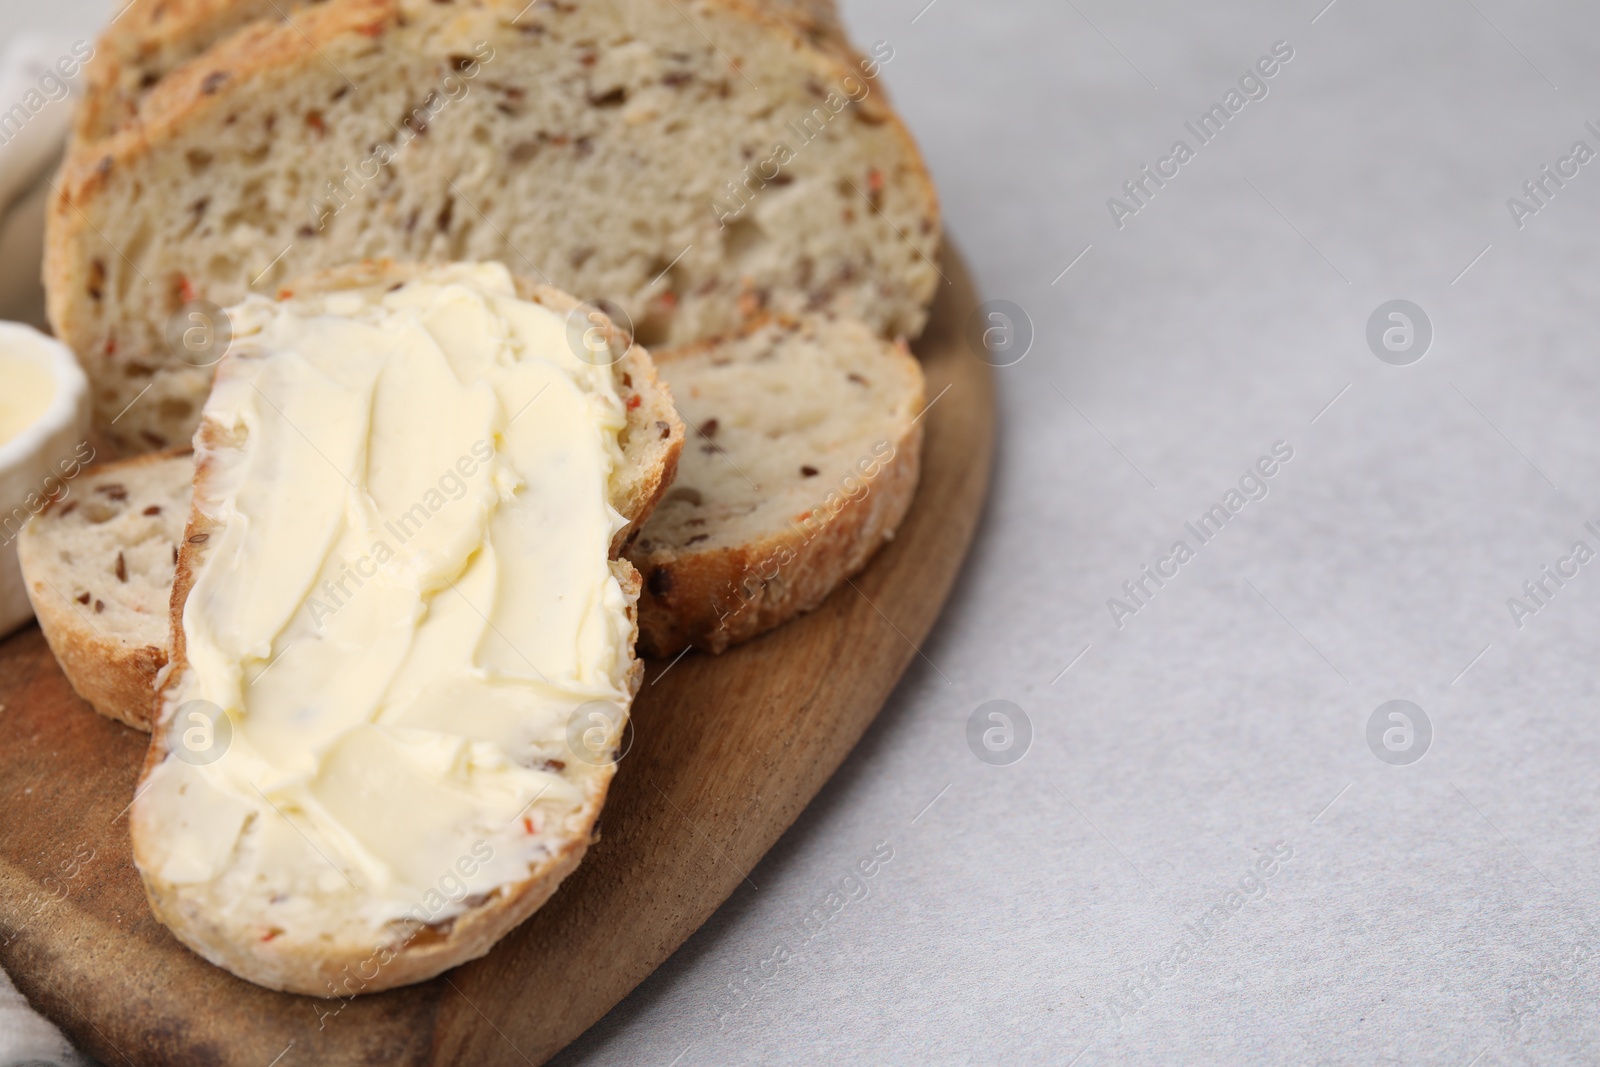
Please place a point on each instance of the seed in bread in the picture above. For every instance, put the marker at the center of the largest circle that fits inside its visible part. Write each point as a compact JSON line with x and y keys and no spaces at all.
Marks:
{"x":694,"y":171}
{"x":803,"y":454}
{"x":403,"y":640}
{"x":98,"y":565}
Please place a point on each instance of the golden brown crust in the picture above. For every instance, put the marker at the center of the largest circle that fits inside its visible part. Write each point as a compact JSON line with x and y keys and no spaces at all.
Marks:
{"x":147,"y":40}
{"x":292,"y":965}
{"x":715,"y":598}
{"x":116,"y":678}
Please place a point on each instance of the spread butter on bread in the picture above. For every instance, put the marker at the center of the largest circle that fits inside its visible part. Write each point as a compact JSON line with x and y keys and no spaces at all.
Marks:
{"x":402,"y":633}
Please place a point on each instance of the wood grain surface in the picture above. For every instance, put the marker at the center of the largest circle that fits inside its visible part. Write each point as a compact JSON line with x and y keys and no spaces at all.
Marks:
{"x":726,"y":753}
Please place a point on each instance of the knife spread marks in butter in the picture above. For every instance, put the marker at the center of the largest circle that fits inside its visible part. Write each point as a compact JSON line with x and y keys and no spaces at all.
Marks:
{"x":405,"y":601}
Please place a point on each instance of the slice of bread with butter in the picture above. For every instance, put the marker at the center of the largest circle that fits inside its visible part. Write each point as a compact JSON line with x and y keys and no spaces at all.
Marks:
{"x":403,"y":635}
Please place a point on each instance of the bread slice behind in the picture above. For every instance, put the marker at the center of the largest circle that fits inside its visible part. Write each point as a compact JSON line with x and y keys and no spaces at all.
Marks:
{"x":98,"y":564}
{"x":693,"y":169}
{"x":803,"y":455}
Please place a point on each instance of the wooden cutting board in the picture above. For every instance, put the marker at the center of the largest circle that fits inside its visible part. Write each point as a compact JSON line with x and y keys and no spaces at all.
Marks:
{"x":727,"y":752}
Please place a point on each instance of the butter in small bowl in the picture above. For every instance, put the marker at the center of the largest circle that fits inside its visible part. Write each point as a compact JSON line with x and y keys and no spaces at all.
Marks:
{"x":44,"y":429}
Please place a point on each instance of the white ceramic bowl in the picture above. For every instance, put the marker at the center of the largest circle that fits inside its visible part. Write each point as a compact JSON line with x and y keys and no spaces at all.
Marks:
{"x":41,"y":461}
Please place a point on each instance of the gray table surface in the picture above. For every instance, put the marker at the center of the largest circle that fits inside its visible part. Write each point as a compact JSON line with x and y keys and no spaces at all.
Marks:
{"x":1201,"y":858}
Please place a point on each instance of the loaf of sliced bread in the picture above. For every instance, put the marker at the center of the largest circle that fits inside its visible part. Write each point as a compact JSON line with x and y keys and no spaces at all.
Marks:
{"x":803,"y":452}
{"x":98,"y":565}
{"x":695,"y":164}
{"x":288,"y":892}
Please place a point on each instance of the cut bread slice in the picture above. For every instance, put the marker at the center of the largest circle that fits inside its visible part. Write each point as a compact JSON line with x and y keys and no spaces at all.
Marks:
{"x":98,"y":565}
{"x":421,"y":788}
{"x":694,"y":166}
{"x":803,"y":455}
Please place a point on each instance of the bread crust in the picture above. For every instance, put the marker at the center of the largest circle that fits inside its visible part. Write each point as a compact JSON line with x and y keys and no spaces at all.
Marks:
{"x":714,"y":598}
{"x":323,"y":967}
{"x":146,"y":41}
{"x":115,"y":677}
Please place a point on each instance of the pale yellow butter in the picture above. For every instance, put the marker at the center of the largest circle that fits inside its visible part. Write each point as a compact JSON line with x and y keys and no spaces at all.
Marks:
{"x":27,"y":388}
{"x":406,"y":604}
